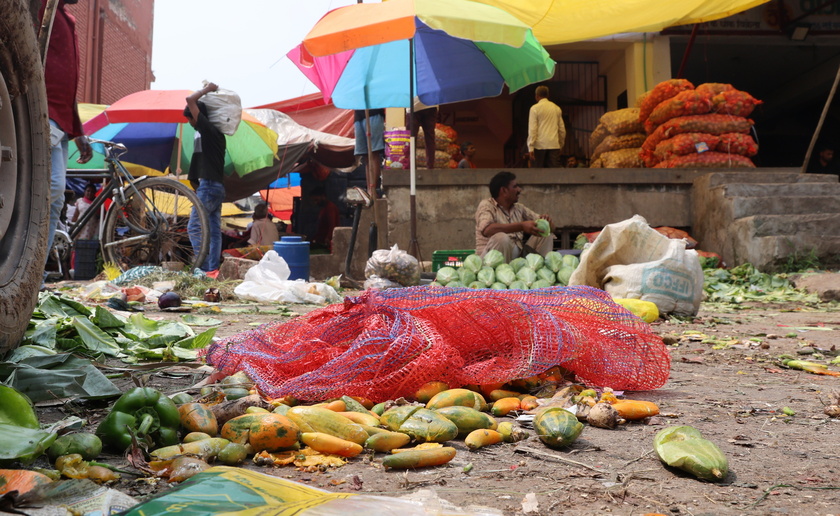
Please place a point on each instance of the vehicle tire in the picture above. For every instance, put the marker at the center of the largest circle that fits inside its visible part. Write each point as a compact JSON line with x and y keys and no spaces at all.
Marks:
{"x":150,"y":227}
{"x":24,"y":171}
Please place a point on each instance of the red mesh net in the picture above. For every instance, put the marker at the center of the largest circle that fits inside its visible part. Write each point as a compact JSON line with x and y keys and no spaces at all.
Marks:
{"x":386,"y":344}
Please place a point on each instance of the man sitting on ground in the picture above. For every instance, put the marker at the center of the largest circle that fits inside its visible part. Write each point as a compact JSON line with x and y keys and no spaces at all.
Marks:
{"x":503,"y":224}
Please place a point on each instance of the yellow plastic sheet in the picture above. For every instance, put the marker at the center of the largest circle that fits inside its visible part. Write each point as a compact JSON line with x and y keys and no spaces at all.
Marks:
{"x":568,"y":21}
{"x":239,"y":492}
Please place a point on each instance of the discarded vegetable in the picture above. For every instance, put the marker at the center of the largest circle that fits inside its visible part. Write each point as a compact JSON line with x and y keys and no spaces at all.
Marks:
{"x":685,"y":448}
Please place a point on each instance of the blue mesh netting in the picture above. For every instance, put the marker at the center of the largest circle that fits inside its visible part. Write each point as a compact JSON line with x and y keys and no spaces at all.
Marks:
{"x":385,"y":344}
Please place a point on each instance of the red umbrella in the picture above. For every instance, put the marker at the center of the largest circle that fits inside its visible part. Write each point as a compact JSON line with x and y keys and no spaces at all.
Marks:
{"x":158,"y":106}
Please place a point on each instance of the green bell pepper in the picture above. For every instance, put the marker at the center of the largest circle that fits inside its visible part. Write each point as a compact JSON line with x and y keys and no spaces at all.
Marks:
{"x":20,"y":436}
{"x":145,"y":412}
{"x":16,"y":409}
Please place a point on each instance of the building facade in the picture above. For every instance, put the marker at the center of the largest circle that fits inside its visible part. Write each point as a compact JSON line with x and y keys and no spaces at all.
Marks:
{"x":115,"y":46}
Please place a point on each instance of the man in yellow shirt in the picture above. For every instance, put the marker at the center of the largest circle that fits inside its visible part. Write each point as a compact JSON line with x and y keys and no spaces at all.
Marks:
{"x":546,"y":131}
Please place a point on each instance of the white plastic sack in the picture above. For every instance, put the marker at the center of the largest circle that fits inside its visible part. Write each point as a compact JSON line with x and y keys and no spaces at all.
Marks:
{"x":380,"y":283}
{"x":224,"y":109}
{"x":394,"y":265}
{"x":631,"y":260}
{"x":268,"y":281}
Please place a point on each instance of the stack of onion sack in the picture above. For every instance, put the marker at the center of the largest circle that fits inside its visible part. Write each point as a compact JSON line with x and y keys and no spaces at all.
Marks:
{"x":446,"y":146}
{"x":703,"y":127}
{"x":388,"y":343}
{"x":617,"y":140}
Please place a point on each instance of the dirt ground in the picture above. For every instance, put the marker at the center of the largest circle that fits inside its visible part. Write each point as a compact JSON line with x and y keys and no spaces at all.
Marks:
{"x":725,"y":381}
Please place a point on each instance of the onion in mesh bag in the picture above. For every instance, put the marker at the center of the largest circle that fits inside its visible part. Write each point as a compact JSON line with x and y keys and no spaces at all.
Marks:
{"x":446,"y":275}
{"x":546,"y":275}
{"x":494,"y":258}
{"x":554,"y":260}
{"x":535,"y":261}
{"x":487,"y":276}
{"x":473,"y":262}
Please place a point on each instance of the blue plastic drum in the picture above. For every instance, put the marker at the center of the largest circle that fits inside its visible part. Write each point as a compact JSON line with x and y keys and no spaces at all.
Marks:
{"x":295,"y":251}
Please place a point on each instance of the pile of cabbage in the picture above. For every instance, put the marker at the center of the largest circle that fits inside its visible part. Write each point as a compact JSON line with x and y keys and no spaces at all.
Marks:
{"x":530,"y":272}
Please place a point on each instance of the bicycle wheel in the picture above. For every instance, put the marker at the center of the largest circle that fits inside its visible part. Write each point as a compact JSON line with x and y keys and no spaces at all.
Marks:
{"x":150,"y":226}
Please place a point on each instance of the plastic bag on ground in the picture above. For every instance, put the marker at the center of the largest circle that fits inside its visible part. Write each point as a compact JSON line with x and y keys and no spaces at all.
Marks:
{"x":631,"y":260}
{"x":380,"y":283}
{"x":224,"y":109}
{"x":247,"y":492}
{"x":268,"y":281}
{"x":395,"y":265}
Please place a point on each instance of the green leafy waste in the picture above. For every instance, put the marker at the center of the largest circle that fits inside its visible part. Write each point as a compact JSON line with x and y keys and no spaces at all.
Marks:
{"x":62,"y":324}
{"x":745,"y":283}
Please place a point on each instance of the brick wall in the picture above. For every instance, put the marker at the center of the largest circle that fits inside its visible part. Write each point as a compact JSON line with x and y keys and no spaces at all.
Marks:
{"x":115,"y":47}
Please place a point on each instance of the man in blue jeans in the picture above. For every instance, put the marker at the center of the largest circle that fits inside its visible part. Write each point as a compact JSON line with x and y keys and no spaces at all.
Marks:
{"x":207,"y":177}
{"x":61,"y":74}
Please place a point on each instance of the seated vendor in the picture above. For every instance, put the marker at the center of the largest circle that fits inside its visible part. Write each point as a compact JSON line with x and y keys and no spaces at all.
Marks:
{"x":503,"y":224}
{"x":263,"y":229}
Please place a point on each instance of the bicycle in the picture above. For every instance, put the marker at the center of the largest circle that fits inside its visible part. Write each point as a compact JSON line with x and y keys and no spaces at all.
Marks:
{"x":146,"y":221}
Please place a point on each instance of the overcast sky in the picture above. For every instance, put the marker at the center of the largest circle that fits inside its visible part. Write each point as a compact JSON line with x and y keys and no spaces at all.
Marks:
{"x":238,"y":45}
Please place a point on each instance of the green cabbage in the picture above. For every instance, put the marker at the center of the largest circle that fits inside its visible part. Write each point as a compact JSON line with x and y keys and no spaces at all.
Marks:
{"x":540,"y":284}
{"x":570,"y":260}
{"x":498,"y":286}
{"x":564,"y":274}
{"x":504,"y":266}
{"x":466,"y":276}
{"x":445,"y":275}
{"x":517,"y":263}
{"x":534,"y":261}
{"x":487,"y":276}
{"x":506,"y":276}
{"x":473,"y":262}
{"x":477,"y":284}
{"x":546,"y":275}
{"x":526,"y":275}
{"x":455,"y":283}
{"x":554,"y":260}
{"x":543,"y":227}
{"x":494,"y":258}
{"x":518,"y":285}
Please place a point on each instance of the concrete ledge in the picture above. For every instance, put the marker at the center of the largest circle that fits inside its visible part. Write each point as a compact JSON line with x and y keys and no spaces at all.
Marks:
{"x":235,"y":268}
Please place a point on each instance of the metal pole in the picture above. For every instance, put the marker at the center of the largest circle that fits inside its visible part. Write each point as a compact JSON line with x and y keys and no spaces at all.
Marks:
{"x":820,"y":123}
{"x":413,"y":246}
{"x":46,"y":29}
{"x":687,"y":51}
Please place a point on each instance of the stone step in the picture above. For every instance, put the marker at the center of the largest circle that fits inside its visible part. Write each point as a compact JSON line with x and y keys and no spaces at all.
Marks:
{"x":778,"y":190}
{"x":774,"y":205}
{"x":775,"y":175}
{"x":818,"y":226}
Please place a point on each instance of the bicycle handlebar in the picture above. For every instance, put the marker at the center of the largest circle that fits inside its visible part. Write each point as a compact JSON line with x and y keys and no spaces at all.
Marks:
{"x":112,"y":149}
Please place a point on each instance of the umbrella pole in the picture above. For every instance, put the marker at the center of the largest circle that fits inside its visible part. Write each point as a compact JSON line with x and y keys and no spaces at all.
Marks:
{"x":413,"y":246}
